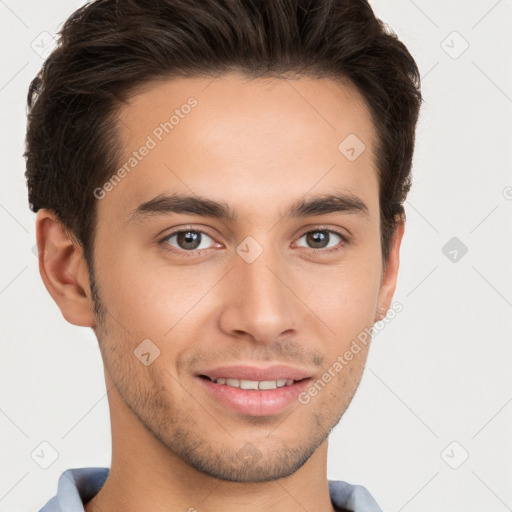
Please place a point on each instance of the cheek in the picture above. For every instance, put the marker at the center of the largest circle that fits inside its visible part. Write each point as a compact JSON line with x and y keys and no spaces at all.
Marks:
{"x":345,"y":297}
{"x":348,"y":315}
{"x":151,"y":300}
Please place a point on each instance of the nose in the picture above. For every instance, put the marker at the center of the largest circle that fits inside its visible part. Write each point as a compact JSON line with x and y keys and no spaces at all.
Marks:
{"x":260,"y":299}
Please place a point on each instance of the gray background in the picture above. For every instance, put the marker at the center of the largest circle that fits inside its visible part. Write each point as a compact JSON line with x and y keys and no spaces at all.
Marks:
{"x":429,"y":427}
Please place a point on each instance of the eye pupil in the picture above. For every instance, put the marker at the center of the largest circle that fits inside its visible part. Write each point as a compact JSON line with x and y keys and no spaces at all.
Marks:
{"x":318,"y":237}
{"x":188,"y":239}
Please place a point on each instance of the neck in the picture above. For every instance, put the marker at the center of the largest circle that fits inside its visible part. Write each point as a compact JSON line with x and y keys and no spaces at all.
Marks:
{"x":145,"y":476}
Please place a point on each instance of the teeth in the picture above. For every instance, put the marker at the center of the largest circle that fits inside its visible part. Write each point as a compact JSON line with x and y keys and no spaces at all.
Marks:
{"x":254,"y":384}
{"x":248,"y":384}
{"x":267,"y":384}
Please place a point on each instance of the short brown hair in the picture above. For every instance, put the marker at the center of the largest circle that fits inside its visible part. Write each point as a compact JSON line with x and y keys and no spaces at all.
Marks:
{"x":107,"y":48}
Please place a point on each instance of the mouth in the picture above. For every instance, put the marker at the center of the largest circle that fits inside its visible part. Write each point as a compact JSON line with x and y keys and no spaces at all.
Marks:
{"x":254,"y":391}
{"x":252,"y":384}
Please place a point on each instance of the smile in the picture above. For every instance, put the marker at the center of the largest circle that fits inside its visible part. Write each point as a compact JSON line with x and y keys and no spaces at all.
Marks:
{"x":252,"y":384}
{"x":253,"y":391}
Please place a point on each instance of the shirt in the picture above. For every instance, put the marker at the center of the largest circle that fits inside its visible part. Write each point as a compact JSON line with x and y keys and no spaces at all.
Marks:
{"x":79,"y":485}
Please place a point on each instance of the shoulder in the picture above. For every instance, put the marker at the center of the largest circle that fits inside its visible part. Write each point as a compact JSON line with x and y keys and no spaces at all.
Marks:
{"x":76,"y":486}
{"x":355,"y":498}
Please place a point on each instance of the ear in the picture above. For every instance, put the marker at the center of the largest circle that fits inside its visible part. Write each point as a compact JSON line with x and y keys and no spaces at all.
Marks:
{"x":64,"y":270}
{"x":390,"y":274}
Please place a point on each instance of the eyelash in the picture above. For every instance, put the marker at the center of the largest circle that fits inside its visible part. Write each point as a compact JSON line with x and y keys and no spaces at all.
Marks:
{"x":196,"y":253}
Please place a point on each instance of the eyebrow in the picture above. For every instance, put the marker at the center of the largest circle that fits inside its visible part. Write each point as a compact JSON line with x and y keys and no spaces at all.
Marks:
{"x":177,"y":203}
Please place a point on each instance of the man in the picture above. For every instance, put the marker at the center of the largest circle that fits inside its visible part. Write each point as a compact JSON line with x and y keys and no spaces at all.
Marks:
{"x":219,"y":191}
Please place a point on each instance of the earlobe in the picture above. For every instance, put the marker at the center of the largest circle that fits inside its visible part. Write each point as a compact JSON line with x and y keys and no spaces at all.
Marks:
{"x":390,"y":275}
{"x":63,"y":270}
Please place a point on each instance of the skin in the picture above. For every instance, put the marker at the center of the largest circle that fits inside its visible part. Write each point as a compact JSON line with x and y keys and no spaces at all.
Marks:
{"x":259,"y":145}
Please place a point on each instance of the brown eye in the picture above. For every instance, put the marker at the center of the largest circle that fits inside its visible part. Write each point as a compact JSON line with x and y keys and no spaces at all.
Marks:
{"x":187,"y":240}
{"x":317,"y":239}
{"x":324,"y":240}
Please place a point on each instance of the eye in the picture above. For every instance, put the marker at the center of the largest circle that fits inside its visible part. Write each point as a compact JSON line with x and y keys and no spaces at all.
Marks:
{"x":188,"y":240}
{"x":320,"y":239}
{"x":193,"y":242}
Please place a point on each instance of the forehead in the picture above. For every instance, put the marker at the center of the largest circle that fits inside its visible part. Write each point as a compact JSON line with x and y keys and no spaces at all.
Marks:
{"x":232,"y":137}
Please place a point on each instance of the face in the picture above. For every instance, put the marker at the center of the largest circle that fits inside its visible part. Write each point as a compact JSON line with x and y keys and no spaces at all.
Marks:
{"x":270,"y":291}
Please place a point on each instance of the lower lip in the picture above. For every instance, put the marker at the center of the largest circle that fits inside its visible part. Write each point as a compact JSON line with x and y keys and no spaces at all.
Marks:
{"x":256,"y":402}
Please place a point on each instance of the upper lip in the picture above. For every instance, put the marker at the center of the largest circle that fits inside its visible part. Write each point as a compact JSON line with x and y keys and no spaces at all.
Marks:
{"x":274,"y":372}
